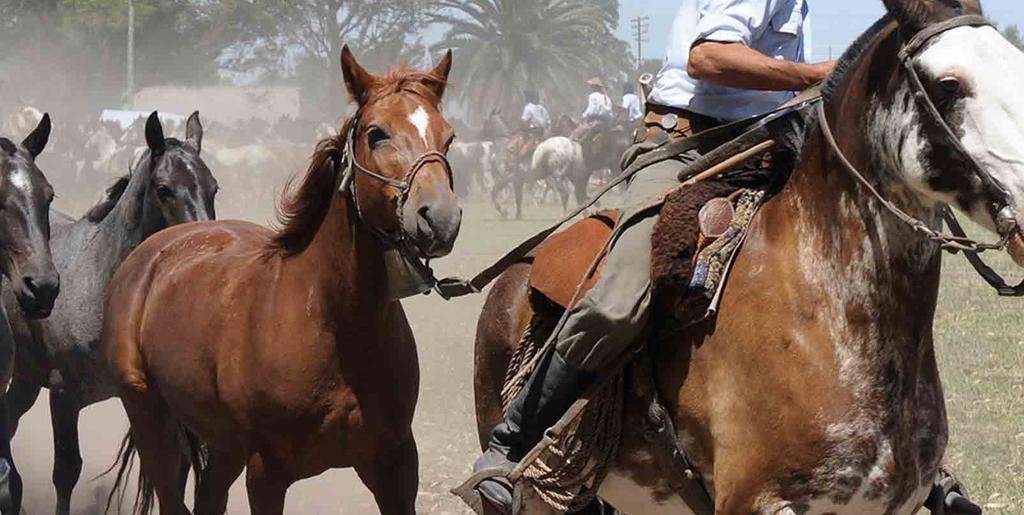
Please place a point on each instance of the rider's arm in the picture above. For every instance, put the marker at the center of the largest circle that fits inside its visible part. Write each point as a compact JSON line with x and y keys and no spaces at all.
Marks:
{"x":726,"y":53}
{"x":739,"y":66}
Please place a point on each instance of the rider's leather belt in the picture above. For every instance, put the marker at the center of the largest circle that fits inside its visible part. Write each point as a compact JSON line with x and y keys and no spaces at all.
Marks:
{"x":662,"y":123}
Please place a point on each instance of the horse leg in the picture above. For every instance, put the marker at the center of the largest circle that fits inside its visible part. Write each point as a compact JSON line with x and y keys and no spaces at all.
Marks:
{"x":518,"y":186}
{"x":21,"y":397}
{"x":212,"y":490}
{"x":496,"y":192}
{"x":266,"y":485}
{"x":10,"y":480}
{"x":393,"y":478}
{"x":65,"y":406}
{"x":561,"y":186}
{"x":580,"y":182}
{"x":155,"y":435}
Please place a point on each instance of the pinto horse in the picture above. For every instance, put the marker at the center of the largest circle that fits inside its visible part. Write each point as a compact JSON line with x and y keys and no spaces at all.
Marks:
{"x":282,"y":352}
{"x":815,"y":389}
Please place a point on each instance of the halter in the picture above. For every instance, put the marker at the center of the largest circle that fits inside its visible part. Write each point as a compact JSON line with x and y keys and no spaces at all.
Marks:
{"x":397,"y":239}
{"x":958,"y":241}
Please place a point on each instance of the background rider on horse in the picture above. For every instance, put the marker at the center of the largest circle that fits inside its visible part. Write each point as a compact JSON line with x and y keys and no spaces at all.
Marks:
{"x":727,"y":60}
{"x":630,"y":107}
{"x":598,"y":115}
{"x":536,"y":122}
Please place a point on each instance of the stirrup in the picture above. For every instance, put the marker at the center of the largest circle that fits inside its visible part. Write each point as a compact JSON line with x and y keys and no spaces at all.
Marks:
{"x":470,"y":495}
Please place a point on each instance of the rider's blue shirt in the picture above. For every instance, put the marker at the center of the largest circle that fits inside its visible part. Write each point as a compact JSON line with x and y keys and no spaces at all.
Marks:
{"x":776,"y":28}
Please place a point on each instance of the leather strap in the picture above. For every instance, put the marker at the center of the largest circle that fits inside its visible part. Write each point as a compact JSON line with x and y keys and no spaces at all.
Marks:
{"x":986,"y":272}
{"x":453,"y":287}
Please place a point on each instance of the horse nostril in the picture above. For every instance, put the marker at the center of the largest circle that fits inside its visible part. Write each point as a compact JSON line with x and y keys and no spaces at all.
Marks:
{"x":424,"y":213}
{"x":42,"y":289}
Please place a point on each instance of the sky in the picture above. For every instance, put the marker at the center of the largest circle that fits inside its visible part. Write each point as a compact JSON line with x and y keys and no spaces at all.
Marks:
{"x":836,"y":23}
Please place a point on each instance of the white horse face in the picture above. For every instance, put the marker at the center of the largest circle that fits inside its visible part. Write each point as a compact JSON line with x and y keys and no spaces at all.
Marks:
{"x":977,"y":80}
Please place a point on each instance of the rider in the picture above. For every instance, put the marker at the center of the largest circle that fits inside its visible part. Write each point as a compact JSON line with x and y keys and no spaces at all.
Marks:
{"x":598,"y":114}
{"x":726,"y":60}
{"x":630,"y":105}
{"x":536,"y":121}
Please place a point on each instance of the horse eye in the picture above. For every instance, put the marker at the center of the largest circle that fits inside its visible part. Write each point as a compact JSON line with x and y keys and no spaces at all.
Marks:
{"x":377,"y":137}
{"x":164,"y":192}
{"x":951,"y":86}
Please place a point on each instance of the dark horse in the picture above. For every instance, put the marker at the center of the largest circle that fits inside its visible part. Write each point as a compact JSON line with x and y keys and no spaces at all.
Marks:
{"x":816,"y":389}
{"x":169,"y":185}
{"x":282,"y":351}
{"x":25,"y":261}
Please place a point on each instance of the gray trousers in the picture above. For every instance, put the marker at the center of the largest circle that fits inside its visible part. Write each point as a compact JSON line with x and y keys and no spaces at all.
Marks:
{"x":610,"y":318}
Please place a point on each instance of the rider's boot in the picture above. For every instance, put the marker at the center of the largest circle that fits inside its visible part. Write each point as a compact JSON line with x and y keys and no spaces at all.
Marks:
{"x":949,"y":497}
{"x":550,"y":390}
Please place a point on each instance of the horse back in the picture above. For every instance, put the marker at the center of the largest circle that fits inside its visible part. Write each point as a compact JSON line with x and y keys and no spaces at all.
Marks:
{"x":163,"y":260}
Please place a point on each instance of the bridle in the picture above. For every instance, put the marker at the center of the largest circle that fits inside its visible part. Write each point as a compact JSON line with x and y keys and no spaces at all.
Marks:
{"x":957,"y":241}
{"x":398,"y":239}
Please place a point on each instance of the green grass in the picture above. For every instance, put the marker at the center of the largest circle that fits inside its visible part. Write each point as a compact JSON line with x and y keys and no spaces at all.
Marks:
{"x":980,"y":347}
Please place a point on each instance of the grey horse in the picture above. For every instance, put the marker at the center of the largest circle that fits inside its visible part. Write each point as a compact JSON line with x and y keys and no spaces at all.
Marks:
{"x":169,"y":184}
{"x":27,"y":264}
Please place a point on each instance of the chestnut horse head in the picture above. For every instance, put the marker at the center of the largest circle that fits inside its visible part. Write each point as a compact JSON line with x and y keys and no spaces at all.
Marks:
{"x":25,"y":197}
{"x":400,"y":137}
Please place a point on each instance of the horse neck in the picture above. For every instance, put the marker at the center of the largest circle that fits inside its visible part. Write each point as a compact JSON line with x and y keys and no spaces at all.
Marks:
{"x":874,"y":278}
{"x":345,"y":262}
{"x":136,"y":215}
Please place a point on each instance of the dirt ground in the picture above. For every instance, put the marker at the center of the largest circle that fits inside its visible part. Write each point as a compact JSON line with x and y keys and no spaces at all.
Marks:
{"x":980,"y":346}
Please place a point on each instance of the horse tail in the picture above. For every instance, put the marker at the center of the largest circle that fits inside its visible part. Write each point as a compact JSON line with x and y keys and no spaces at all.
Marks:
{"x":145,"y":498}
{"x":124,"y":463}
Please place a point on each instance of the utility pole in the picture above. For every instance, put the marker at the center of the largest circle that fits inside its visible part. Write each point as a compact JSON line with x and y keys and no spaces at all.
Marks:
{"x":641,"y":25}
{"x":129,"y":93}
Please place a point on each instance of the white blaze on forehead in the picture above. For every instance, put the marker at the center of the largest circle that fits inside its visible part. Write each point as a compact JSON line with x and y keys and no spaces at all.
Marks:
{"x":420,"y":119}
{"x":992,"y":72}
{"x":20,"y":179}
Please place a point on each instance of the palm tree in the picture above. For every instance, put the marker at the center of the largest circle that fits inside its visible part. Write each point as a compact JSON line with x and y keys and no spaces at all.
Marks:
{"x":507,"y":46}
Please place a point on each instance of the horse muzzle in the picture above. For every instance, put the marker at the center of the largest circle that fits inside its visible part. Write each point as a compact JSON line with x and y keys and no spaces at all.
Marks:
{"x":37,"y":293}
{"x":433,"y":226}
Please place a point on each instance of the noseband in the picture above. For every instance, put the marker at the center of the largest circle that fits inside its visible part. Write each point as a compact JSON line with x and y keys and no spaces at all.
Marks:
{"x":398,"y":239}
{"x":958,"y":241}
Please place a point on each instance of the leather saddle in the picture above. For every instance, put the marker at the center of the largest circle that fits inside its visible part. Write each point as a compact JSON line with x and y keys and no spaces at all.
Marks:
{"x":563,"y":260}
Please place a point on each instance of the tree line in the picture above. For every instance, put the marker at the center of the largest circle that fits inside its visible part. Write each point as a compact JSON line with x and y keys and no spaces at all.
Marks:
{"x":75,"y":51}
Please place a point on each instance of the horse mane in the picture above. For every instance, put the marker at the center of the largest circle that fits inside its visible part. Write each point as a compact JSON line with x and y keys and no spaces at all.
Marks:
{"x":302,"y":210}
{"x":111,"y":196}
{"x":852,"y":56}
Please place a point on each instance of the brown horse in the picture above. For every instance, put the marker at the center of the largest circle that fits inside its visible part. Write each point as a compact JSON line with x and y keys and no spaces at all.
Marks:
{"x":282,"y":352}
{"x":816,"y":390}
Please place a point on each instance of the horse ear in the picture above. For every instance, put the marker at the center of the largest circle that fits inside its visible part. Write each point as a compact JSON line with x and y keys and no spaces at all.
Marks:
{"x":442,"y":70}
{"x":917,"y":14}
{"x":36,"y":141}
{"x":194,"y":132}
{"x":155,"y":135}
{"x":358,"y":81}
